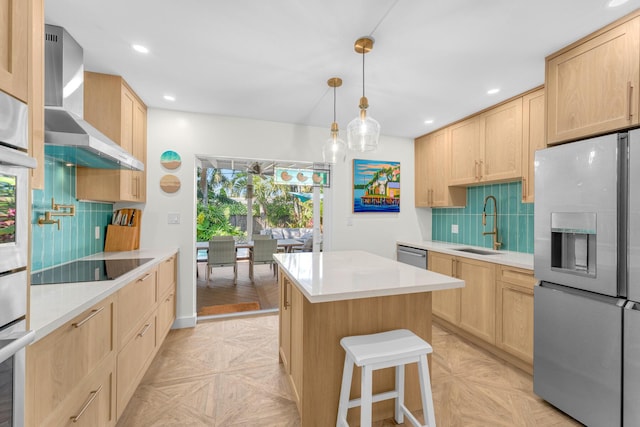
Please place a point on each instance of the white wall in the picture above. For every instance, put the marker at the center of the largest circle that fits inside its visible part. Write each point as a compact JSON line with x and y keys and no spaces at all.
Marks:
{"x":191,"y":134}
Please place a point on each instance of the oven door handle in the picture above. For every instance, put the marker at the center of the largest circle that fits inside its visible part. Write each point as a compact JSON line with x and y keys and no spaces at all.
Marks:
{"x":18,"y":340}
{"x":16,"y":158}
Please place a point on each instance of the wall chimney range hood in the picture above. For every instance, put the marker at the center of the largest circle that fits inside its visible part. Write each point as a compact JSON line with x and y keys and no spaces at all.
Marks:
{"x":68,"y":138}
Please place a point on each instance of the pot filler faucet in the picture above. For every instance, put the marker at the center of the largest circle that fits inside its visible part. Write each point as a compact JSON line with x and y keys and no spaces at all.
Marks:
{"x":496,"y":243}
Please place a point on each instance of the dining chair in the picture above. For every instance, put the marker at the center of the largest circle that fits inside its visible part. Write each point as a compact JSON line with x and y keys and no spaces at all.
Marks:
{"x":260,"y":237}
{"x":262,"y":253}
{"x":222,"y":253}
{"x":221,"y":238}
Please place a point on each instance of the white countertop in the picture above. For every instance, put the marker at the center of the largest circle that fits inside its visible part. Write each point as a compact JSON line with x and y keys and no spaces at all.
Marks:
{"x":54,"y":305}
{"x":345,"y":275}
{"x":513,"y":259}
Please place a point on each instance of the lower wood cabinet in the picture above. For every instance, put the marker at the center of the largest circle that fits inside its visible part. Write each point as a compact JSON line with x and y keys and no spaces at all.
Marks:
{"x":477,"y":298}
{"x":85,"y":372}
{"x":514,"y":308}
{"x":60,"y":366}
{"x":446,"y":304}
{"x":91,"y":404}
{"x":493,"y":310}
{"x":134,"y":359}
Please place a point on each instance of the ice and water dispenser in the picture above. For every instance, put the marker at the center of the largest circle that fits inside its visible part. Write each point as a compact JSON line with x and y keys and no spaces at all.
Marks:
{"x":573,"y":242}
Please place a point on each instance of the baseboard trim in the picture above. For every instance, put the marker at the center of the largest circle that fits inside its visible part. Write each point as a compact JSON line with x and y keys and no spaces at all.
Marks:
{"x":185,"y":322}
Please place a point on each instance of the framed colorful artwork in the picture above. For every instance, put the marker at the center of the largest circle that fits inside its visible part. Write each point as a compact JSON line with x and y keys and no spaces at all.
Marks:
{"x":376,"y":186}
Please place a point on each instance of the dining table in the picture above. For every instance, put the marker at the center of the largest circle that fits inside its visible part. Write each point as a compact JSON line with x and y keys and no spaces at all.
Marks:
{"x":286,"y":244}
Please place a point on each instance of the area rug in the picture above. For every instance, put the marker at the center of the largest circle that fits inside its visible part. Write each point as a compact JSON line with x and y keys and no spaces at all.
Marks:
{"x":211,"y":310}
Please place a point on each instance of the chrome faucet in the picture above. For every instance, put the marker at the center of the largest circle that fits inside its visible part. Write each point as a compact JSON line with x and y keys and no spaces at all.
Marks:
{"x":496,"y":243}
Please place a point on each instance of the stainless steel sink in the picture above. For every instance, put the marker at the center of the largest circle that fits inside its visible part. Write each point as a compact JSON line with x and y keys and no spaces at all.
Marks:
{"x":477,"y":251}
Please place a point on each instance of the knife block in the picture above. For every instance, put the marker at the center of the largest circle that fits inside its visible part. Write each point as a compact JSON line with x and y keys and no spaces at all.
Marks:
{"x":122,"y":237}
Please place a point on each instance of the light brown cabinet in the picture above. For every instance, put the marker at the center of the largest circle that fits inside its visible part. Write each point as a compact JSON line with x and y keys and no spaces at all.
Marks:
{"x":14,"y":48}
{"x":464,"y":160}
{"x":487,"y":147}
{"x":445,"y":304}
{"x":494,"y":310}
{"x":35,"y":92}
{"x":167,"y":297}
{"x":592,"y":85}
{"x":477,"y":298}
{"x":66,"y":366}
{"x":514,"y":312}
{"x":533,"y":139}
{"x":313,"y":358}
{"x":133,"y":360}
{"x":432,"y":189}
{"x":96,"y":361}
{"x":114,"y":109}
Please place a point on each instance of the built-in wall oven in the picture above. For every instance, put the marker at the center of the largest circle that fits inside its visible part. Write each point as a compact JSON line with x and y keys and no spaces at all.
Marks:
{"x":14,"y":243}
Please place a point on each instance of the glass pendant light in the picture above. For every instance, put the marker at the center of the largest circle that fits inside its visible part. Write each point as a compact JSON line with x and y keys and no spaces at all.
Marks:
{"x":334,"y":149}
{"x":364,"y":131}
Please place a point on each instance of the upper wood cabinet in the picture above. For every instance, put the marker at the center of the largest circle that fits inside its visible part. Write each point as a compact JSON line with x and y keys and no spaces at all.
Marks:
{"x":501,"y":136}
{"x":592,"y":85}
{"x":465,"y":152}
{"x":14,"y":48}
{"x":114,"y":109}
{"x":432,"y":175}
{"x":533,"y":139}
{"x":35,"y":92}
{"x":487,"y":147}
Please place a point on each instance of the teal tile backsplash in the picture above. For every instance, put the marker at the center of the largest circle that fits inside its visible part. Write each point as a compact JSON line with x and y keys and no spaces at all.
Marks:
{"x":515,"y":219}
{"x":76,"y":237}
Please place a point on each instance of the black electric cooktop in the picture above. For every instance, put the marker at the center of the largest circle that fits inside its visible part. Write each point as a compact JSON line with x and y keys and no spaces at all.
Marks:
{"x":87,"y":271}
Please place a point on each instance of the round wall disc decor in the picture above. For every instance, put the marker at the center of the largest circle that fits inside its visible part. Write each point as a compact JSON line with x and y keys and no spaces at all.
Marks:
{"x":170,"y":183}
{"x":170,"y":159}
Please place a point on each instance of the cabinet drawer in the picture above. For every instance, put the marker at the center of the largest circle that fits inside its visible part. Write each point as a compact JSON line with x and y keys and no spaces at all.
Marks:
{"x":135,"y":301}
{"x":516,"y":276}
{"x":166,"y":275}
{"x":166,"y":315}
{"x":133,"y":361}
{"x":92,"y":404}
{"x":60,"y":361}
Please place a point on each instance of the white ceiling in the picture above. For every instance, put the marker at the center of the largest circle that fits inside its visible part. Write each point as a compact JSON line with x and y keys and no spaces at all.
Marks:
{"x":270,"y":59}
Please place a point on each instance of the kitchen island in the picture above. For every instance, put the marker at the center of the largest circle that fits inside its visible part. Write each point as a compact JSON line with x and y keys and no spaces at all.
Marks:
{"x":330,"y":295}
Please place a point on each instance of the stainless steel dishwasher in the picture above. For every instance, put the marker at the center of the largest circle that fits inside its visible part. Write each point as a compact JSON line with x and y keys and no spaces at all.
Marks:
{"x":412,"y":256}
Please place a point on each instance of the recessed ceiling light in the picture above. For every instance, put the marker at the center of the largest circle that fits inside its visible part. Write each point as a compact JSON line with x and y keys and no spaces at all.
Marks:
{"x":616,"y":3}
{"x":428,"y":122}
{"x":169,"y":97}
{"x":493,"y":91}
{"x":140,"y":48}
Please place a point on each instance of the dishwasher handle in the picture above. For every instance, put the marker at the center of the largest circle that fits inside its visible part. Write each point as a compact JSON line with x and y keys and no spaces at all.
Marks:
{"x":422,"y":255}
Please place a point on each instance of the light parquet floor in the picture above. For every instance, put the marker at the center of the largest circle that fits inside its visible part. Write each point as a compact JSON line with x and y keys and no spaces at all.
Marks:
{"x":226,"y":373}
{"x":221,"y":290}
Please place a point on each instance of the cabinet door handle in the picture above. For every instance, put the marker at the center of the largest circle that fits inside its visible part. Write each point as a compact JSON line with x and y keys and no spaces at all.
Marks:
{"x":92,"y":397}
{"x":630,"y":99}
{"x":486,"y":169}
{"x":476,"y":170}
{"x":89,"y":317}
{"x":453,"y":267}
{"x":144,"y":278}
{"x":524,"y":188}
{"x":144,"y":331}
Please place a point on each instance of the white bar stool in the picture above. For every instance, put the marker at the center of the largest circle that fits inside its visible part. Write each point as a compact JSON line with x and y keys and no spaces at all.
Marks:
{"x":384,"y":350}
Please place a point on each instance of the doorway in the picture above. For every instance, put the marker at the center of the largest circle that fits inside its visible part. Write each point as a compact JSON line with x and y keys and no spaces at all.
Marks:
{"x":241,"y":198}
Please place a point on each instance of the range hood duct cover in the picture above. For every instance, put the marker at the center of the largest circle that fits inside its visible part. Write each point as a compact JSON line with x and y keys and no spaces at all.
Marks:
{"x":67,"y":136}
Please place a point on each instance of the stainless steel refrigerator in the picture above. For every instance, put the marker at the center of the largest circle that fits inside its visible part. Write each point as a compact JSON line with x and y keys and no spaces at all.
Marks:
{"x":587,"y":258}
